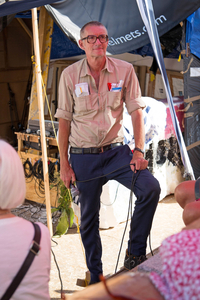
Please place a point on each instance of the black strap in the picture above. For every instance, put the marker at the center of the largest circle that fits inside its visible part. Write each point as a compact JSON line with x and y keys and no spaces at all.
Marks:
{"x":35,"y":247}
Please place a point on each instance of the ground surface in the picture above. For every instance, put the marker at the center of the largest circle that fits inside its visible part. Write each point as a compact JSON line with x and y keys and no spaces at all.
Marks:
{"x":69,"y":252}
{"x":70,"y":256}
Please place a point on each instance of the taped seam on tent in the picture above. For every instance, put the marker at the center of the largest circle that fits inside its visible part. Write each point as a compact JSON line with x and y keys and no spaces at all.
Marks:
{"x":193,"y":145}
{"x":188,"y":100}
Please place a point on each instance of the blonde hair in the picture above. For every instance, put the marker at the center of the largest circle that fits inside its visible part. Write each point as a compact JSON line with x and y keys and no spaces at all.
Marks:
{"x":12,"y":179}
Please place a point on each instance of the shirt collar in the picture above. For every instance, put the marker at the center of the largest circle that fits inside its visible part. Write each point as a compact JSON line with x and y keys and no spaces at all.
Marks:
{"x":108,"y":65}
{"x":86,"y":71}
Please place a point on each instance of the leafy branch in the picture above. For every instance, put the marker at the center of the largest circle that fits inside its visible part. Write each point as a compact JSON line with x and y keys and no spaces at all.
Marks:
{"x":64,"y":200}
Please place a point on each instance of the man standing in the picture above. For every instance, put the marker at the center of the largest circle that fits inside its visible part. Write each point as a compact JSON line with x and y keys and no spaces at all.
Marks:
{"x":92,"y":92}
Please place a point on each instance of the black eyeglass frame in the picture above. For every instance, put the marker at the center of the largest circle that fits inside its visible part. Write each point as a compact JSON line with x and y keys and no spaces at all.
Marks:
{"x":96,"y":37}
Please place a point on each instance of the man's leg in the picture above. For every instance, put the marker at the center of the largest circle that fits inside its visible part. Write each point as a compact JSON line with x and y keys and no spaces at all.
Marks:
{"x":86,"y":166}
{"x":147,"y":190}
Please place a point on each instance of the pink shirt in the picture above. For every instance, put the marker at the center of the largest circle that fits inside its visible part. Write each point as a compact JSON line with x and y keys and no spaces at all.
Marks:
{"x":15,"y":241}
{"x":96,"y":116}
{"x":180,"y":278}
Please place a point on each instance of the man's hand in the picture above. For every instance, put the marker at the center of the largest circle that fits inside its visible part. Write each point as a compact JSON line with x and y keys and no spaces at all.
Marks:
{"x":138,"y":162}
{"x":67,"y":174}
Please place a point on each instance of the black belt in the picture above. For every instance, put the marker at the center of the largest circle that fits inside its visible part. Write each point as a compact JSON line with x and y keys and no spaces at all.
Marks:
{"x":93,"y":150}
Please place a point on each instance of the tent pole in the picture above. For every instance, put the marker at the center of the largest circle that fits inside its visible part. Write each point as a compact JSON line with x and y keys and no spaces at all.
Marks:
{"x":41,"y":116}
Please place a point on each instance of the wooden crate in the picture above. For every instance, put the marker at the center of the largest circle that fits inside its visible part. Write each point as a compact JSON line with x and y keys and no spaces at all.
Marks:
{"x":32,"y":187}
{"x":32,"y":183}
{"x":55,"y":69}
{"x":155,"y":88}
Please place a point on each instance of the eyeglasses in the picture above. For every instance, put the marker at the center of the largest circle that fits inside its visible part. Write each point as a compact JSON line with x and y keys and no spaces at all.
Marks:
{"x":91,"y":39}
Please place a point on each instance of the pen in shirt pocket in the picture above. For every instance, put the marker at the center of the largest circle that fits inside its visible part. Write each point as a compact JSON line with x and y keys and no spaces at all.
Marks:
{"x":81,"y":89}
{"x":115,"y":87}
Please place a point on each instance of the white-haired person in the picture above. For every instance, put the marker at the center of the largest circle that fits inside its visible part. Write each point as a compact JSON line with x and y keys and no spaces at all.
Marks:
{"x":16,"y":234}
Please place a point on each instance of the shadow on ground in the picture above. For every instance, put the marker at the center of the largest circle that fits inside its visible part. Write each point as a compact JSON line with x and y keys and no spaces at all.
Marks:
{"x":66,"y":292}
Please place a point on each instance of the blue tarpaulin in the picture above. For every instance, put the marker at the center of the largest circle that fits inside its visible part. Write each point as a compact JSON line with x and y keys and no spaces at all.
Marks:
{"x":193,"y":32}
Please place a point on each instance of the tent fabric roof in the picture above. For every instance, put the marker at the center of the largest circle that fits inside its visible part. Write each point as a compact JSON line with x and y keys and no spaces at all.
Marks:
{"x":62,"y":46}
{"x":122,"y":19}
{"x":13,"y":7}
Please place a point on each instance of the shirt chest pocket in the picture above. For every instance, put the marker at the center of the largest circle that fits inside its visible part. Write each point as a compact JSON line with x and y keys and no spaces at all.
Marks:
{"x":114,"y":100}
{"x":85,"y":103}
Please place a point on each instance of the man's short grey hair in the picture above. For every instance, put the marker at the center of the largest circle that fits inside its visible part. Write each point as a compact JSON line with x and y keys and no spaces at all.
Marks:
{"x":12,"y":179}
{"x":92,"y":23}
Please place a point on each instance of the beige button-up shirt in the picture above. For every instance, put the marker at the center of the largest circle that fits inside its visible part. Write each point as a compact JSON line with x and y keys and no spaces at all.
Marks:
{"x":96,"y":116}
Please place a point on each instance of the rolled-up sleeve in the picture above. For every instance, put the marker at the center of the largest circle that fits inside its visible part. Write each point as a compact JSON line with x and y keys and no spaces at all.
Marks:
{"x":60,"y":113}
{"x":65,"y":98}
{"x":132,"y":94}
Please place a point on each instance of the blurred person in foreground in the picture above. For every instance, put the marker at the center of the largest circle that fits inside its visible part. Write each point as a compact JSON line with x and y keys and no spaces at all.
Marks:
{"x":17,"y":233}
{"x":179,"y":275}
{"x":187,"y":194}
{"x":92,"y":93}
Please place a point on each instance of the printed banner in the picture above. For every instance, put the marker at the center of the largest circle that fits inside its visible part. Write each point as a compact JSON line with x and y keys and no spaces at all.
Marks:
{"x":122,"y":19}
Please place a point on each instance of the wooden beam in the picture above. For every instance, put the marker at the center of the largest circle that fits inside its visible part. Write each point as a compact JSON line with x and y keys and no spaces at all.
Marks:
{"x":45,"y":33}
{"x":21,"y":22}
{"x":41,"y":117}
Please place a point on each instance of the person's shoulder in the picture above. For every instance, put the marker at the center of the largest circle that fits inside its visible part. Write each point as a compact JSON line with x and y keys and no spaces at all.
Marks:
{"x":45,"y":234}
{"x":120,"y":62}
{"x":43,"y":227}
{"x":28,"y":224}
{"x":73,"y":67}
{"x":21,"y":221}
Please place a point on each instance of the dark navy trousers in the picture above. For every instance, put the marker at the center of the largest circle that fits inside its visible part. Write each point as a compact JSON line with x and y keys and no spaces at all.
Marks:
{"x":112,"y":164}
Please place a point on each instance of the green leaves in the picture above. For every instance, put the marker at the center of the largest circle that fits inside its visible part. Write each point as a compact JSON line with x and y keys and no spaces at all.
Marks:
{"x":65,"y":221}
{"x":54,"y":210}
{"x":63,"y":224}
{"x":67,"y":214}
{"x":71,"y":219}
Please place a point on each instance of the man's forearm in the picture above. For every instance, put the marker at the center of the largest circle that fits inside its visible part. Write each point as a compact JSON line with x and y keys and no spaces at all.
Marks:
{"x":66,"y":173}
{"x":138,"y":128}
{"x":138,"y":162}
{"x":63,"y":139}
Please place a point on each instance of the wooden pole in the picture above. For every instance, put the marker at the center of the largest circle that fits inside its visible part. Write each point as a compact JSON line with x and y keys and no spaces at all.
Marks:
{"x":41,"y":116}
{"x":45,"y":26}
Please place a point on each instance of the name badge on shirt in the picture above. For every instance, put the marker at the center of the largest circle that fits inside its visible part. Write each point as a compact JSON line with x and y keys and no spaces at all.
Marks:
{"x":81,"y":89}
{"x":115,"y":87}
